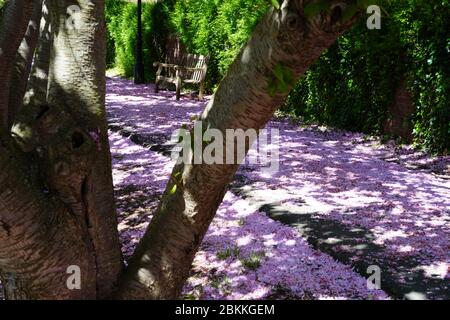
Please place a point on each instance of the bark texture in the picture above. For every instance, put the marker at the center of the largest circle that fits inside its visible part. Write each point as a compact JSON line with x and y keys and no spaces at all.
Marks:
{"x":77,"y":84}
{"x":22,"y":64}
{"x":36,"y":90}
{"x":285,"y":37}
{"x":56,"y":196}
{"x":17,"y":13}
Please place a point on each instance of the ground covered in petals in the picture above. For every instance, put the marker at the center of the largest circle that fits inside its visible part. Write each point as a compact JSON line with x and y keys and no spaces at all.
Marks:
{"x":399,"y":198}
{"x":245,"y":254}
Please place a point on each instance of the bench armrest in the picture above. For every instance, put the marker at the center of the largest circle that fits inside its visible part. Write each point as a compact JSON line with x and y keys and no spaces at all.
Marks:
{"x":165,"y":65}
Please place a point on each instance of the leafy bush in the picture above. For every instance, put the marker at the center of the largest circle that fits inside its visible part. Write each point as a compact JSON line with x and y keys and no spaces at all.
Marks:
{"x":220,"y":31}
{"x":121,"y":20}
{"x":353,"y":83}
{"x":425,"y":29}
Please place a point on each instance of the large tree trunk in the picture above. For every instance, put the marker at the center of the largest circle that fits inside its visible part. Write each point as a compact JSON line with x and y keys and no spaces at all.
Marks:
{"x":56,"y":198}
{"x":285,"y":38}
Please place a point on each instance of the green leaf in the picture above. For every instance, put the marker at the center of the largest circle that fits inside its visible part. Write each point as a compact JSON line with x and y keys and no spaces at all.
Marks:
{"x":283,"y":80}
{"x":177,"y":174}
{"x":289,"y":77}
{"x":173,"y":189}
{"x":278,"y":72}
{"x":275,"y":4}
{"x":272,"y":89}
{"x":283,"y":87}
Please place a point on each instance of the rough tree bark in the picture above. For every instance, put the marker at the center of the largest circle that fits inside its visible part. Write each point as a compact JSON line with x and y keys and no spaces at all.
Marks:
{"x":36,"y":91}
{"x":161,"y":263}
{"x":23,"y":61}
{"x":56,"y":196}
{"x":17,"y":13}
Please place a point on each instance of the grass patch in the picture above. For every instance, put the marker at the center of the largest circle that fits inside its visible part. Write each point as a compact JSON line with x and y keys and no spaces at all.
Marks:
{"x":253,"y":262}
{"x":228,"y":252}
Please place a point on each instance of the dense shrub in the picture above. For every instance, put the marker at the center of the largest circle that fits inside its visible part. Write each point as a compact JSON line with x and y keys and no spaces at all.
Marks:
{"x":354,"y":82}
{"x":121,"y":20}
{"x":425,"y":29}
{"x":217,"y":28}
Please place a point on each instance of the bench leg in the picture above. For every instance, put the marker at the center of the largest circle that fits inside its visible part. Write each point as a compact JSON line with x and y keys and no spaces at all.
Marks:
{"x":157,"y":86}
{"x":178,"y":87}
{"x":200,"y":92}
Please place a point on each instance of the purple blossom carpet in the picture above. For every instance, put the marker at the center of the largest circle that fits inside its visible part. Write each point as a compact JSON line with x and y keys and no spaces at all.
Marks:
{"x":339,"y":203}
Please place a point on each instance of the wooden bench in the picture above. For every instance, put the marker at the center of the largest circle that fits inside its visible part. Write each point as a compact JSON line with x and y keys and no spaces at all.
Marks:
{"x":191,"y":70}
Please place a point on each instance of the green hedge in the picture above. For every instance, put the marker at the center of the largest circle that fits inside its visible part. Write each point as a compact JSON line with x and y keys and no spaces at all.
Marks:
{"x":121,"y":19}
{"x":350,"y":86}
{"x":425,"y":29}
{"x":354,"y":82}
{"x":217,"y":28}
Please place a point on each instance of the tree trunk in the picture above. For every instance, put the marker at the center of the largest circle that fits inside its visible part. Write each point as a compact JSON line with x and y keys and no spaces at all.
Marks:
{"x":77,"y":84}
{"x":286,"y":38}
{"x":36,"y":91}
{"x":17,"y":13}
{"x":56,"y":198}
{"x":22,"y":65}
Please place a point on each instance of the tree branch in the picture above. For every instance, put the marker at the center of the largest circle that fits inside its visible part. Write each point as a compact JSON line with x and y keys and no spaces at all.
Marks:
{"x":36,"y":91}
{"x":14,"y":25}
{"x":22,"y":65}
{"x":285,"y":37}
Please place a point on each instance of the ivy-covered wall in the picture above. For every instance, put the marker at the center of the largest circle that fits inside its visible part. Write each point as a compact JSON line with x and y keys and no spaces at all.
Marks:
{"x":354,"y":82}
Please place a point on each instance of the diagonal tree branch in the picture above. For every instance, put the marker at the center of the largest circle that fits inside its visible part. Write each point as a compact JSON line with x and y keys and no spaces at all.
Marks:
{"x":285,"y":37}
{"x":36,"y":92}
{"x":12,"y":30}
{"x":22,"y":65}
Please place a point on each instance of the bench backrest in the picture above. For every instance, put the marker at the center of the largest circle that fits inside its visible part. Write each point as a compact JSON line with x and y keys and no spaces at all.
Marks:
{"x":175,"y":50}
{"x":195,"y":61}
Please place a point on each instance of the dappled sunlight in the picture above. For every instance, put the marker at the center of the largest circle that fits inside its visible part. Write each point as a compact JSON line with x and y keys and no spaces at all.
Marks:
{"x":245,"y":255}
{"x":140,"y":108}
{"x":341,"y":176}
{"x":327,"y":175}
{"x":282,"y":259}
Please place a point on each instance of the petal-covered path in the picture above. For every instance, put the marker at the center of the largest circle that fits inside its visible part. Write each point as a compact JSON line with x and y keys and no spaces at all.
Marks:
{"x":343,"y":193}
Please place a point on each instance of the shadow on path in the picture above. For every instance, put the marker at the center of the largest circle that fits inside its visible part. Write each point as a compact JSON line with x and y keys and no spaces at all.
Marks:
{"x":352,"y":246}
{"x":340,"y":172}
